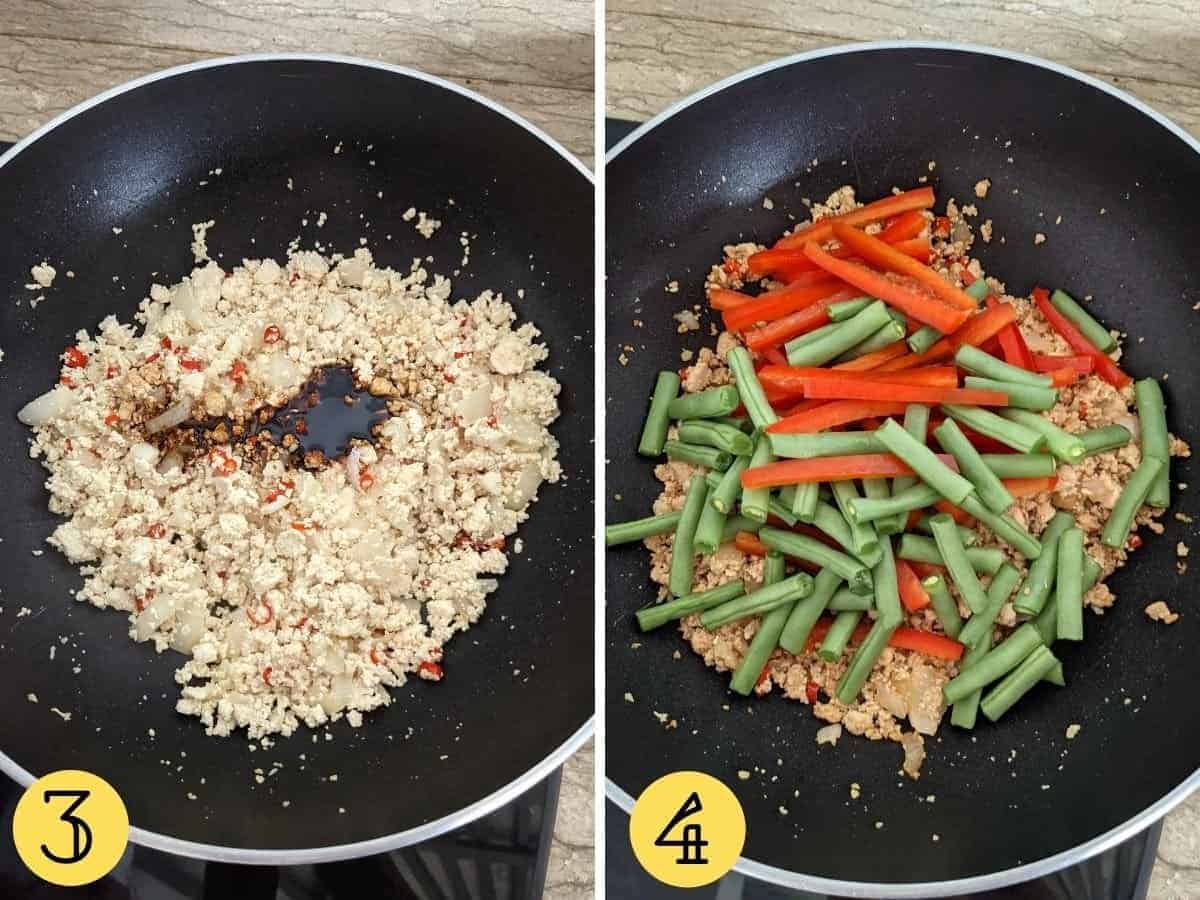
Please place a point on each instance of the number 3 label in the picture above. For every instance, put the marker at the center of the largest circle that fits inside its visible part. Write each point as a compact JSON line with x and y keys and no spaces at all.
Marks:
{"x":70,"y":827}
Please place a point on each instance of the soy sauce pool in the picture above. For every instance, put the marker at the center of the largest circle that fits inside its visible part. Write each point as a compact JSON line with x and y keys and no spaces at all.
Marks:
{"x":328,"y":412}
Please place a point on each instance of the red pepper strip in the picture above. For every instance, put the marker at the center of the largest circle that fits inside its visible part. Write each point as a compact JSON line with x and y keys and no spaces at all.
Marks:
{"x":924,"y":570}
{"x":883,"y":256}
{"x":938,"y":646}
{"x":1083,"y":363}
{"x":792,"y":378}
{"x":830,"y":415}
{"x":912,"y":593}
{"x":1060,"y":378}
{"x":788,"y":264}
{"x":854,"y":389}
{"x":776,"y":304}
{"x":905,"y":226}
{"x":1012,"y":344}
{"x":793,"y":325}
{"x":954,"y":512}
{"x":1030,"y":487}
{"x":829,"y":468}
{"x":872,"y":361}
{"x":802,"y":407}
{"x":723,"y":298}
{"x":906,"y":295}
{"x":975,"y":331}
{"x":1105,"y":367}
{"x":775,"y":357}
{"x":887,"y":208}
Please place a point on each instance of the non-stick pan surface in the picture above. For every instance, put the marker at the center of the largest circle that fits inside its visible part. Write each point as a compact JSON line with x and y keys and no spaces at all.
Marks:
{"x":517,"y":696}
{"x":1123,"y":180}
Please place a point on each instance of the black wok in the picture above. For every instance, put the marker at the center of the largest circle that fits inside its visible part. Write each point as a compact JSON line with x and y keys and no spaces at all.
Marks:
{"x":1013,"y":800}
{"x":142,"y":159}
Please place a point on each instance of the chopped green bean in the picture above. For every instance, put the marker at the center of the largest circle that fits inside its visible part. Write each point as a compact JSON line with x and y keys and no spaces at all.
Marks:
{"x":888,"y":334}
{"x":1004,"y":527}
{"x":651,"y":617}
{"x":847,"y":309}
{"x":977,"y":290}
{"x":729,"y":485}
{"x":1018,"y":683}
{"x":887,"y":590}
{"x":749,"y":388}
{"x":923,"y":338}
{"x":776,"y":507}
{"x":916,"y":423}
{"x":866,"y":509}
{"x":802,"y":546}
{"x":806,"y":611}
{"x":1046,"y":622}
{"x":1069,"y":585}
{"x":864,"y":541}
{"x":698,"y":455}
{"x":845,"y":600}
{"x":654,"y":432}
{"x":766,"y":638}
{"x":1020,"y":396}
{"x":804,"y":504}
{"x":842,"y":338}
{"x":943,"y":604}
{"x":1156,"y":442}
{"x":987,"y":485}
{"x":713,"y":434}
{"x":964,"y":713}
{"x":987,"y":423}
{"x":954,"y":558}
{"x":917,"y":548}
{"x":683,"y":557}
{"x":829,"y":520}
{"x":924,"y":462}
{"x":717,"y":401}
{"x":981,"y":622}
{"x":977,"y":362}
{"x":709,"y":530}
{"x":967,"y":535}
{"x":1061,"y":443}
{"x":826,"y":443}
{"x":838,"y":635}
{"x":1056,"y":675}
{"x":639,"y":529}
{"x":864,"y":659}
{"x":760,"y":601}
{"x":1133,"y":495}
{"x":1101,"y":440}
{"x":1092,"y":330}
{"x":994,"y":664}
{"x":809,"y":336}
{"x":1020,"y":465}
{"x":1040,"y":577}
{"x":741,"y":423}
{"x":756,"y":502}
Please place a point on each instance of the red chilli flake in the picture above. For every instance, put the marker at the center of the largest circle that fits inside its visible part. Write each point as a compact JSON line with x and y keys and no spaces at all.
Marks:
{"x":66,"y":380}
{"x":265,"y":620}
{"x":374,"y":655}
{"x":112,"y":371}
{"x":731,"y":266}
{"x":430,"y":671}
{"x":153,"y":357}
{"x":266,"y":675}
{"x":165,"y":343}
{"x":366,"y":480}
{"x":75,"y":358}
{"x":112,"y":420}
{"x":238,"y":371}
{"x":1134,"y":542}
{"x":812,"y":691}
{"x":450,"y":379}
{"x":156,"y":530}
{"x":192,"y":365}
{"x":764,"y":676}
{"x":272,"y":334}
{"x":301,"y":426}
{"x":941,"y":227}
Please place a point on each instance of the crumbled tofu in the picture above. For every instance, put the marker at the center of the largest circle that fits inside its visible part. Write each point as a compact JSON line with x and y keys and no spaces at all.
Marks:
{"x":1039,"y":238}
{"x":672,"y":287}
{"x":743,"y":775}
{"x":768,"y":203}
{"x":1158,"y":611}
{"x":982,"y":186}
{"x":43,"y":274}
{"x":1073,"y":730}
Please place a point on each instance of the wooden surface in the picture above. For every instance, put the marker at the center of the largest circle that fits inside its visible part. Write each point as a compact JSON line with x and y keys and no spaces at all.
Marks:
{"x":534,"y":56}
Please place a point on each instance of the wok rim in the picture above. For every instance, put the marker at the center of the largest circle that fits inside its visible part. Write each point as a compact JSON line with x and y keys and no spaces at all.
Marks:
{"x":1026,"y":871}
{"x":467,"y":814}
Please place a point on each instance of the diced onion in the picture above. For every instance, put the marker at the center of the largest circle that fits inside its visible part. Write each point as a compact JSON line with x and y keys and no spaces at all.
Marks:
{"x":170,"y":417}
{"x":476,"y":404}
{"x":527,"y":485}
{"x":48,"y":406}
{"x":524,"y":432}
{"x":829,"y":734}
{"x":340,"y":693}
{"x":189,"y":628}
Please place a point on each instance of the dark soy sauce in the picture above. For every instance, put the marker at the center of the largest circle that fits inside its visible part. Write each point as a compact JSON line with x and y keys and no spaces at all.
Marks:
{"x":327,"y":413}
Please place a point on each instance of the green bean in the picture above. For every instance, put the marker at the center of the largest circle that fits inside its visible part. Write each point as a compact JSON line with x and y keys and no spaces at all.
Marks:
{"x":717,"y":401}
{"x":916,"y":423}
{"x":831,"y":522}
{"x":697,"y":455}
{"x":846,"y":309}
{"x":1092,"y":330}
{"x":734,"y":524}
{"x":651,"y":617}
{"x":1101,"y":440}
{"x":1018,"y":683}
{"x":756,"y":502}
{"x":866,"y":509}
{"x":864,"y":541}
{"x":842,"y":338}
{"x":954,"y":558}
{"x":977,"y":290}
{"x":916,"y":548}
{"x":1020,"y":396}
{"x":1004,"y":527}
{"x":923,"y":338}
{"x":924,"y":462}
{"x":987,"y":423}
{"x":977,"y":362}
{"x":766,"y":638}
{"x":714,"y":434}
{"x":826,"y":443}
{"x":887,"y":590}
{"x":710,"y":529}
{"x":1152,"y":413}
{"x":1020,"y":465}
{"x":864,"y":659}
{"x":1046,"y":622}
{"x":809,"y":336}
{"x":838,"y":635}
{"x":729,"y":485}
{"x":1069,"y":585}
{"x":654,"y":432}
{"x":994,"y":664}
{"x":965,"y":534}
{"x":683,"y":557}
{"x":776,"y":507}
{"x":802,"y":546}
{"x":639,"y":529}
{"x":1061,"y":443}
{"x":888,"y":334}
{"x":1040,"y":577}
{"x":749,"y":388}
{"x":760,"y":601}
{"x":845,"y":600}
{"x":943,"y":604}
{"x":987,"y":485}
{"x":741,"y":423}
{"x":981,"y":622}
{"x":807,"y":610}
{"x":965,"y":711}
{"x":1133,"y":495}
{"x":804,"y":504}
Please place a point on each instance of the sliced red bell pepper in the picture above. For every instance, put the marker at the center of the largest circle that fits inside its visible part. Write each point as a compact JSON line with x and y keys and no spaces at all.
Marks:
{"x":830,"y":468}
{"x":822,"y":415}
{"x":912,"y":593}
{"x":1105,"y":367}
{"x":1045,"y":362}
{"x":879,"y":254}
{"x":887,"y":208}
{"x":1012,"y":344}
{"x":904,"y":227}
{"x":776,"y":304}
